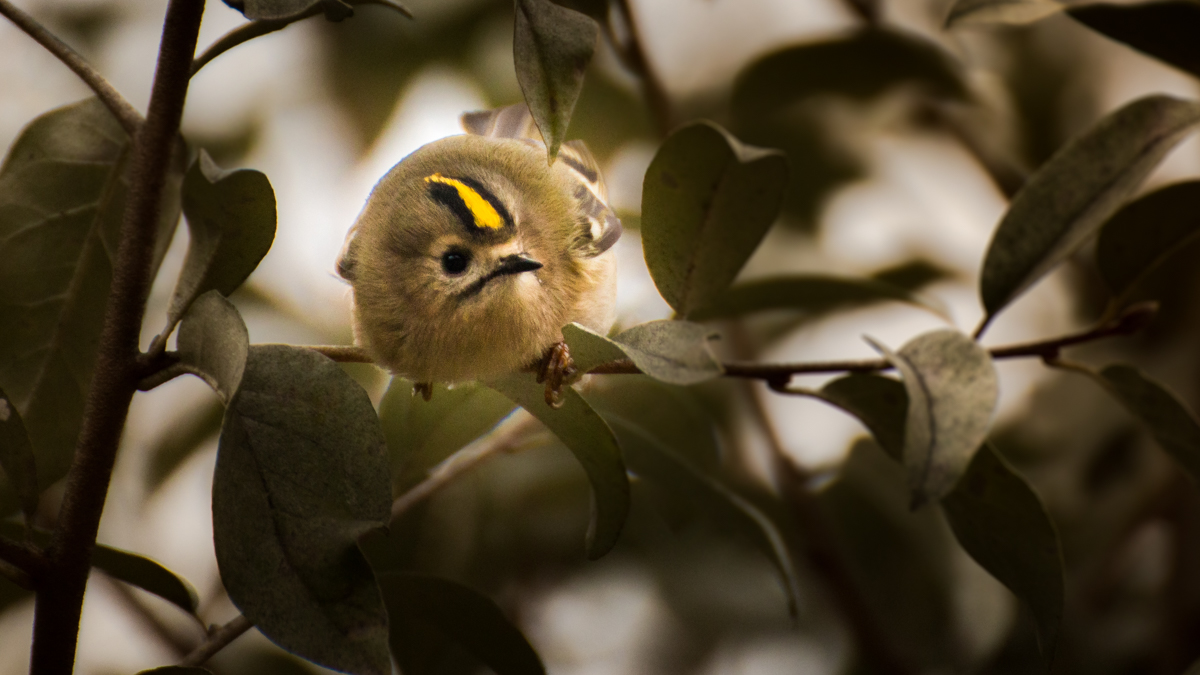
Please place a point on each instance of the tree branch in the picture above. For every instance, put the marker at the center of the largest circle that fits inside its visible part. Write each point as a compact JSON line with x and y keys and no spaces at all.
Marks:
{"x":634,"y":58}
{"x":217,"y":640}
{"x":128,"y":116}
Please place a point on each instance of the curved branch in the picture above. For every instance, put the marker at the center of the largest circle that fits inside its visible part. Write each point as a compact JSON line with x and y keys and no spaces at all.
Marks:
{"x":217,"y":640}
{"x":245,"y":33}
{"x":128,"y":116}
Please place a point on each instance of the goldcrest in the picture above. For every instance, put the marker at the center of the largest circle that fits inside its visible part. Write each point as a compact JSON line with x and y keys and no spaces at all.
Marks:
{"x":473,"y":252}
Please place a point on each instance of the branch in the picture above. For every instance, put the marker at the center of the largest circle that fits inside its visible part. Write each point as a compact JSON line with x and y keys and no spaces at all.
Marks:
{"x":245,"y":33}
{"x":128,"y":116}
{"x":634,"y":58}
{"x":217,"y":640}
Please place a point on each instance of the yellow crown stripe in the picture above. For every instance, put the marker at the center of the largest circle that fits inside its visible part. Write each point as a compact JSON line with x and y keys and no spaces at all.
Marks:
{"x":485,"y":214}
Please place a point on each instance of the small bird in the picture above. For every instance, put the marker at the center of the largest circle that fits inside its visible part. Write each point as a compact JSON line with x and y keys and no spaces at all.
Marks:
{"x":473,"y":252}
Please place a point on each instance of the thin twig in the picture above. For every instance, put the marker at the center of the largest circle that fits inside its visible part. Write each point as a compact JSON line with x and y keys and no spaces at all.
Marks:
{"x":245,"y":33}
{"x":128,"y":116}
{"x":217,"y":640}
{"x":633,"y":57}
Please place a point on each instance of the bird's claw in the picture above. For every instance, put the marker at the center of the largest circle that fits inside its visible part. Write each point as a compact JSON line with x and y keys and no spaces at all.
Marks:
{"x":556,"y":369}
{"x":425,"y":389}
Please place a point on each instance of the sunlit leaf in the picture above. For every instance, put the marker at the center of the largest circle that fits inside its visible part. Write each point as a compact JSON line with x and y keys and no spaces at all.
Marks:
{"x":1073,"y":193}
{"x":879,"y":402}
{"x":707,"y":202}
{"x":213,"y":342}
{"x":1011,"y":12}
{"x":676,"y":352}
{"x":593,"y":444}
{"x":1001,"y":522}
{"x":472,"y":621}
{"x":231,"y":219}
{"x":808,"y":293}
{"x":1164,"y":30}
{"x":16,"y":458}
{"x":62,"y":199}
{"x":552,"y":47}
{"x":952,"y":393}
{"x":301,"y":473}
{"x":1145,"y":232}
{"x":1173,"y":426}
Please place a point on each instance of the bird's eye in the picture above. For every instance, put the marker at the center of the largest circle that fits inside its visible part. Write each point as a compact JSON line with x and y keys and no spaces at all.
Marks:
{"x":454,"y":262}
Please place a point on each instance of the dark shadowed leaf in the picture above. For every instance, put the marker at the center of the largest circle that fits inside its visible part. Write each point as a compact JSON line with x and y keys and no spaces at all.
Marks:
{"x":879,"y":402}
{"x":16,"y":458}
{"x":808,"y":293}
{"x":589,"y":349}
{"x":1146,"y":232}
{"x":1011,"y":12}
{"x":291,"y":10}
{"x":1168,"y":420}
{"x":62,"y":198}
{"x":472,"y":621}
{"x":591,"y":441}
{"x":231,"y":220}
{"x":176,"y":670}
{"x":1072,"y":194}
{"x":707,"y":201}
{"x":213,"y":343}
{"x":1001,"y":522}
{"x":552,"y":47}
{"x":1165,"y":30}
{"x":676,"y":352}
{"x":302,"y":472}
{"x":952,"y":392}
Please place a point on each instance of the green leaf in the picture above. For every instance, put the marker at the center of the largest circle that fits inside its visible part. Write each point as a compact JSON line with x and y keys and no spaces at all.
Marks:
{"x":952,"y":392}
{"x":590,"y":349}
{"x":707,"y":201}
{"x":1145,"y":232}
{"x":1164,"y":415}
{"x":231,"y":220}
{"x":1002,"y":524}
{"x":16,"y":458}
{"x":1073,"y":193}
{"x":301,"y":473}
{"x":213,"y":343}
{"x":879,"y":402}
{"x":62,"y":199}
{"x":420,"y":603}
{"x":291,"y":10}
{"x":1164,"y":30}
{"x":176,"y":670}
{"x":811,"y":294}
{"x":552,"y":47}
{"x":676,"y":352}
{"x":587,"y":436}
{"x":1010,"y":12}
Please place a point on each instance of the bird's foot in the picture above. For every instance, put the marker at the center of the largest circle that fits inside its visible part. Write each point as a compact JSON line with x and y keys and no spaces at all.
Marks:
{"x":556,"y":369}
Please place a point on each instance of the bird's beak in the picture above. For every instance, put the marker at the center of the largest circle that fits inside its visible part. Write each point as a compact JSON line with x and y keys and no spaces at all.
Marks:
{"x":515,"y":264}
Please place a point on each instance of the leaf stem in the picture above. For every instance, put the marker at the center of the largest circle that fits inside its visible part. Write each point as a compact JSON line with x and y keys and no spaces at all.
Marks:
{"x":245,"y":33}
{"x":634,"y":58}
{"x":60,"y":597}
{"x":128,"y":116}
{"x":217,"y":640}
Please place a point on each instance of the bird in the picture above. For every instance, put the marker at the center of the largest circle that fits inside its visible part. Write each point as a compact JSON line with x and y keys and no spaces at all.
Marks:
{"x":473,"y":252}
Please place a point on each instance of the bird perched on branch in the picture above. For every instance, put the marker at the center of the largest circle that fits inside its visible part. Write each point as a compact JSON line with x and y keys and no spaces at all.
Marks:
{"x":473,"y":252}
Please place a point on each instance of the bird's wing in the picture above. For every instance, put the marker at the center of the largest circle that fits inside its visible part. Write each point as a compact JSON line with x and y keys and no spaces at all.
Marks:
{"x":512,"y":121}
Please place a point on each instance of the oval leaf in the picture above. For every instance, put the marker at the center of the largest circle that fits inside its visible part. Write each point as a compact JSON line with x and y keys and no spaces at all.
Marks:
{"x":590,"y":349}
{"x":213,"y":343}
{"x":552,"y":47}
{"x":676,"y":352}
{"x":1010,"y":12}
{"x":879,"y":402}
{"x":591,"y":441}
{"x":1000,"y":521}
{"x":809,"y":293}
{"x":62,"y":199}
{"x":291,"y":10}
{"x":1165,"y":30}
{"x":952,"y":392}
{"x":707,"y":202}
{"x":1075,"y":191}
{"x":418,"y":604}
{"x":1146,"y":232}
{"x":231,"y":220}
{"x":1168,"y":420}
{"x":301,"y":473}
{"x":16,"y":458}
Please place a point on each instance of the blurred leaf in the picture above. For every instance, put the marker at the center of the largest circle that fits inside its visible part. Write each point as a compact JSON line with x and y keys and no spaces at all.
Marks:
{"x":291,"y":10}
{"x":552,"y":47}
{"x":591,"y":441}
{"x":675,"y":416}
{"x":176,"y":670}
{"x":421,"y":433}
{"x":1073,"y":193}
{"x":62,"y":198}
{"x":707,"y":202}
{"x":465,"y":616}
{"x":301,"y":473}
{"x":808,"y":293}
{"x":1164,"y":415}
{"x":879,"y":402}
{"x":187,"y":434}
{"x":913,"y":274}
{"x":952,"y":392}
{"x":1145,"y":232}
{"x":1164,"y":30}
{"x":1011,"y":12}
{"x":213,"y":341}
{"x":1002,"y":524}
{"x":231,"y":220}
{"x":675,"y":352}
{"x":16,"y":458}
